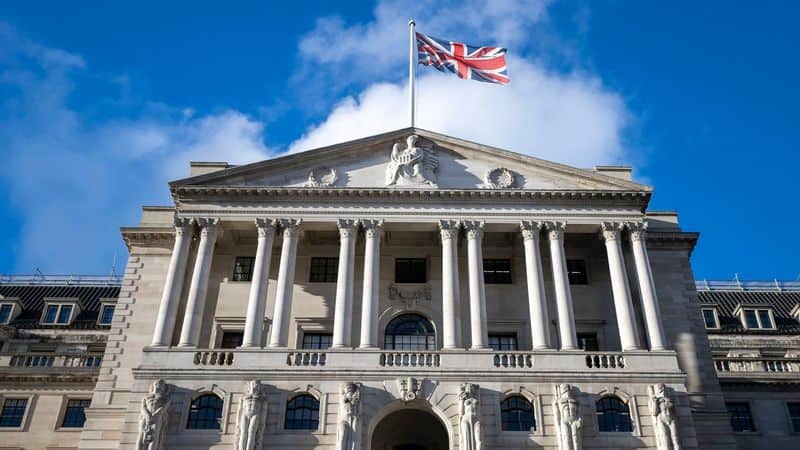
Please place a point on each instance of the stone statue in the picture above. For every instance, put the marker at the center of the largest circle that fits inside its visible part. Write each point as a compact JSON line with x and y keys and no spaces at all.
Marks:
{"x":469,"y":422}
{"x":251,"y":417}
{"x":348,"y":432}
{"x":568,"y":418}
{"x":413,"y":165}
{"x":664,"y":420}
{"x":153,"y":418}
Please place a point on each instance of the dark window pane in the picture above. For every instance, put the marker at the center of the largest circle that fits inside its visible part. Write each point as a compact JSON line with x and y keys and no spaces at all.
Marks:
{"x":75,"y":415}
{"x":613,"y":415}
{"x":205,"y":413}
{"x":50,"y":314}
{"x":588,"y":342}
{"x":517,"y":414}
{"x":106,"y":315}
{"x":766,"y":320}
{"x":302,"y":413}
{"x":5,"y":313}
{"x":497,"y":271}
{"x":13,"y":412}
{"x":64,"y":313}
{"x":794,"y":415}
{"x":741,"y":419}
{"x":709,"y":318}
{"x":576,"y":269}
{"x":410,"y":332}
{"x":324,"y":270}
{"x":410,"y":270}
{"x":243,"y":268}
{"x":750,"y":318}
{"x":503,"y":343}
{"x":316,"y":341}
{"x":231,"y":339}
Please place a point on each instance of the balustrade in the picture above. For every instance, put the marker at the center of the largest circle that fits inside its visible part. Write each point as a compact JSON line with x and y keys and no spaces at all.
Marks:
{"x":513,"y":360}
{"x":54,"y":360}
{"x":409,"y":359}
{"x":213,"y":358}
{"x":312,"y":358}
{"x":771,"y":365}
{"x":605,"y":361}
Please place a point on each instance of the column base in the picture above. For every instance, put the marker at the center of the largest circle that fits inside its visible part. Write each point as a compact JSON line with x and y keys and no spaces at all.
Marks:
{"x":187,"y":346}
{"x":480,"y":348}
{"x":571,"y":348}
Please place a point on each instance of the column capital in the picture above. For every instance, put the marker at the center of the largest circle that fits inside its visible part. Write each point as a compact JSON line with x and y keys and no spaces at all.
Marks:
{"x":207,"y":225}
{"x":555,"y":230}
{"x":530,"y":229}
{"x":266,"y":227}
{"x":638,"y":230}
{"x":448,"y":229}
{"x":183,"y":225}
{"x":474,"y":229}
{"x":611,"y":230}
{"x":372,"y":227}
{"x":291,"y":227}
{"x":347,"y":227}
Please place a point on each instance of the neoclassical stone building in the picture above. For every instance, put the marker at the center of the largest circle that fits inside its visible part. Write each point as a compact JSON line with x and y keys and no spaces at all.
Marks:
{"x":407,"y":291}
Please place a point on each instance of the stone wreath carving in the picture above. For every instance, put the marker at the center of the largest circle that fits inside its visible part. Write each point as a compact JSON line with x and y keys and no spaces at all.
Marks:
{"x":410,"y":294}
{"x":500,"y":178}
{"x":322,"y":177}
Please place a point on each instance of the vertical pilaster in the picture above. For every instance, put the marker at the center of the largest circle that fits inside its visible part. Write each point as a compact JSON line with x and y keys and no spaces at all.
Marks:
{"x":477,"y":291}
{"x":176,"y":273}
{"x":196,"y":302}
{"x":373,"y":230}
{"x":566,"y":317}
{"x":257,"y":302}
{"x":285,"y":286}
{"x":647,"y":288}
{"x":619,"y":286}
{"x":451,"y":331}
{"x":343,"y":313}
{"x":537,"y":303}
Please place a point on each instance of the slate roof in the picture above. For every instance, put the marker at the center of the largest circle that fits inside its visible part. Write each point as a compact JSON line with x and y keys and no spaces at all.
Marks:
{"x":782,"y":303}
{"x":32,"y":293}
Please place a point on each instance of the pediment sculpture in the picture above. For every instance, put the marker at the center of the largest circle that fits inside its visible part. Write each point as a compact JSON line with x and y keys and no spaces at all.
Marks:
{"x":153,"y":417}
{"x":469,"y":421}
{"x":568,"y":418}
{"x":662,"y":409}
{"x":500,"y":178}
{"x":415,"y":165}
{"x":252,"y":417}
{"x":348,"y":432}
{"x":322,"y":177}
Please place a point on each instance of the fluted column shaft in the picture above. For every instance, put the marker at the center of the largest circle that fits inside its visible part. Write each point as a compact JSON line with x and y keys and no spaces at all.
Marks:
{"x":647,"y":288}
{"x":283,"y":292}
{"x":176,"y":273}
{"x":257,"y":302}
{"x":196,"y":302}
{"x":477,"y":291}
{"x":537,"y":303}
{"x":451,"y":331}
{"x":373,"y":229}
{"x":566,"y":317}
{"x":620,"y":287}
{"x":343,"y":313}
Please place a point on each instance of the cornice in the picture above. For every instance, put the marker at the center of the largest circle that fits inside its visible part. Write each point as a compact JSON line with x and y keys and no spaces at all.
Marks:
{"x":133,"y":235}
{"x":686,"y":240}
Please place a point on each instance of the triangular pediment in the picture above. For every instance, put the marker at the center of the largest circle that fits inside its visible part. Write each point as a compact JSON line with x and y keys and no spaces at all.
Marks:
{"x":427,"y":160}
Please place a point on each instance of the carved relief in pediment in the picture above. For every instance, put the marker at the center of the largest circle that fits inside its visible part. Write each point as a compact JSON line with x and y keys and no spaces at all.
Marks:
{"x":415,"y":165}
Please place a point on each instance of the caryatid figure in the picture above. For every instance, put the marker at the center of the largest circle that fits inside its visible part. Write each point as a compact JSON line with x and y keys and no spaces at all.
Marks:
{"x":469,"y":423}
{"x":664,"y":420}
{"x":567,"y":417}
{"x":251,"y":417}
{"x":349,"y":417}
{"x":153,"y":417}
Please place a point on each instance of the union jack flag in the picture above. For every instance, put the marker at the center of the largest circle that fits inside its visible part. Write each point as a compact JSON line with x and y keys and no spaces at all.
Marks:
{"x":470,"y":63}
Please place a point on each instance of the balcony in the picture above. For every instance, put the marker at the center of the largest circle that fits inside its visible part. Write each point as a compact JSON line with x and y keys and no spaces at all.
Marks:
{"x":773,"y":369}
{"x":63,"y":366}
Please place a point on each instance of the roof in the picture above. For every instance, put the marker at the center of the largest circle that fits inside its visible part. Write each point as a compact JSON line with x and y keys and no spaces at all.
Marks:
{"x":32,"y":292}
{"x":783,"y":298}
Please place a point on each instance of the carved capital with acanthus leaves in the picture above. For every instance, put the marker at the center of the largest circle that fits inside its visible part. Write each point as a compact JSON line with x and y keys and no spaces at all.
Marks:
{"x":611,"y":230}
{"x":290,"y":227}
{"x":373,"y":228}
{"x":556,"y":230}
{"x":347,"y":227}
{"x":530,"y":230}
{"x":638,"y":230}
{"x":448,"y":229}
{"x":474,"y":229}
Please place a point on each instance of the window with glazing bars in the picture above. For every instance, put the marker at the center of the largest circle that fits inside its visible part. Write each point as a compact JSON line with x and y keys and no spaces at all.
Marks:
{"x":324,"y":270}
{"x":613,"y":415}
{"x":740,"y":416}
{"x":75,"y":414}
{"x":13,"y":412}
{"x":243,"y":268}
{"x":710,"y":318}
{"x":57,"y":315}
{"x":205,"y":413}
{"x":106,"y":314}
{"x":317,"y":341}
{"x":410,"y":332}
{"x":5,"y":313}
{"x":302,"y":413}
{"x":794,"y":415}
{"x":503,"y":342}
{"x":497,"y":271}
{"x":516,"y":414}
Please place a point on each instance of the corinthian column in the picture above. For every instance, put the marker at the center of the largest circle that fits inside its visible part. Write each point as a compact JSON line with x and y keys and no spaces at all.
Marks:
{"x":477,"y":291}
{"x":283,"y":291}
{"x":537,"y":304}
{"x":257,"y":302}
{"x":343,"y":314}
{"x":566,"y":318}
{"x":450,"y":292}
{"x":195,"y":304}
{"x":171,"y":297}
{"x":619,"y":286}
{"x":373,"y":229}
{"x":644,"y":273}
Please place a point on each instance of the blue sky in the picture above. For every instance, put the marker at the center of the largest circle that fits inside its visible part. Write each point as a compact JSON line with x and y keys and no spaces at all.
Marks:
{"x":102,"y":103}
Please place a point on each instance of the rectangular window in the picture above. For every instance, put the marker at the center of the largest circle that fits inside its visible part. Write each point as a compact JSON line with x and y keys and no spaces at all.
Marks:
{"x":317,"y":341}
{"x":794,"y":415}
{"x":13,"y":412}
{"x":75,"y":414}
{"x":497,"y":271}
{"x":5,"y":313}
{"x":231,"y":339}
{"x":741,"y":418}
{"x":243,"y":268}
{"x":576,"y":270}
{"x":755,"y":319}
{"x":57,"y":315}
{"x":764,"y":319}
{"x":64,"y":314}
{"x":324,"y":270}
{"x":106,"y":314}
{"x":50,"y":314}
{"x":588,"y":342}
{"x":410,"y":270}
{"x":503,"y":342}
{"x":710,"y":318}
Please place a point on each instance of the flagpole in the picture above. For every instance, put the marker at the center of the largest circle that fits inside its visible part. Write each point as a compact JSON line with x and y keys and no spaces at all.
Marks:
{"x":411,"y":69}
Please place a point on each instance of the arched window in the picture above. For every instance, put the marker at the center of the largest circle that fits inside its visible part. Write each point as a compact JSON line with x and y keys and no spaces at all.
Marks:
{"x":205,"y":412}
{"x":410,"y":332}
{"x":613,"y":415}
{"x":302,"y":413}
{"x":516,"y":414}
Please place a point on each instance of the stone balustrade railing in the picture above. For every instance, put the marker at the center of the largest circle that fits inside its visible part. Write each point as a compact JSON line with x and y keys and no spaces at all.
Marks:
{"x":605,"y":361}
{"x":214,"y":358}
{"x":409,"y":359}
{"x":512,"y":360}
{"x":306,"y":358}
{"x":55,"y":360}
{"x":725,"y":365}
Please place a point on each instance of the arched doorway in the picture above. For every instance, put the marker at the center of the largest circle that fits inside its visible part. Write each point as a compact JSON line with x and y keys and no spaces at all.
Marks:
{"x":410,"y":429}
